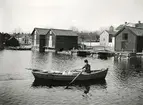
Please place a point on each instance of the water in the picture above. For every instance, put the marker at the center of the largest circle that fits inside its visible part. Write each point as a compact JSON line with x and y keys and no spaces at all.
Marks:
{"x":123,"y":84}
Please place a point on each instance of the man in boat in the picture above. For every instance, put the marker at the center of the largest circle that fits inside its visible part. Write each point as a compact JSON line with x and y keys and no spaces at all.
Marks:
{"x":86,"y":67}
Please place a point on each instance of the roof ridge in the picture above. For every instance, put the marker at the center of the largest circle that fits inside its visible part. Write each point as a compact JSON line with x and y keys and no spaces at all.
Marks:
{"x":61,"y":29}
{"x":41,"y":28}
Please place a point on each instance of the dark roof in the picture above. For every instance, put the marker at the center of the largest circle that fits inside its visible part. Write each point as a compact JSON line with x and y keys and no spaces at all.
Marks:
{"x":62,"y":32}
{"x":134,"y":30}
{"x":12,"y":37}
{"x":139,"y":25}
{"x":40,"y":31}
{"x":58,"y":32}
{"x":127,"y":24}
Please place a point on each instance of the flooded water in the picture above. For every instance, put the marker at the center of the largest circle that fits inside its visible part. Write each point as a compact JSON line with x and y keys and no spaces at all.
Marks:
{"x":123,"y":84}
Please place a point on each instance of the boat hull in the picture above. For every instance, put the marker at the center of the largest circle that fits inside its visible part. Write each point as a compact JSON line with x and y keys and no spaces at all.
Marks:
{"x":95,"y":75}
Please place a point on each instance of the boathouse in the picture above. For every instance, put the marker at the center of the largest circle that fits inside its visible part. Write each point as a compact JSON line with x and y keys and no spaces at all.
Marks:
{"x":129,"y":39}
{"x":36,"y":33}
{"x":60,"y":39}
{"x":57,"y":39}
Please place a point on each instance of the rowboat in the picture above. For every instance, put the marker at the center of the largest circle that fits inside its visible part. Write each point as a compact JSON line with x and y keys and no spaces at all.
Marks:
{"x":62,"y":76}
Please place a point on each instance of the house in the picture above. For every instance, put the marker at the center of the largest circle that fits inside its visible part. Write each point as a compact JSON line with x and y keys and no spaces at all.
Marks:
{"x":58,"y":39}
{"x":24,"y":39}
{"x":12,"y":41}
{"x":129,"y":39}
{"x":107,"y":37}
{"x":139,"y":24}
{"x":3,"y":38}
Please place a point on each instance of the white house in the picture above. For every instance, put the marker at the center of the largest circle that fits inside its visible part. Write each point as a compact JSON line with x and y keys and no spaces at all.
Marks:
{"x":107,"y":38}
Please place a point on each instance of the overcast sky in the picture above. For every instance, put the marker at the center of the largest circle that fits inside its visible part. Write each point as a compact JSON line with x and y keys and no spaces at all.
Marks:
{"x":24,"y":15}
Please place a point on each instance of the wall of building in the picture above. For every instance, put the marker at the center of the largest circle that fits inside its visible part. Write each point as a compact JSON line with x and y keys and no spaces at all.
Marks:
{"x":66,"y":42}
{"x":35,"y":39}
{"x":1,"y":42}
{"x":130,"y":43}
{"x":104,"y":39}
{"x":48,"y":40}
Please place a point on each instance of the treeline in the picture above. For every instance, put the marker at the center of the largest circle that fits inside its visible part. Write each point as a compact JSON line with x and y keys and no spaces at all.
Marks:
{"x":88,"y":36}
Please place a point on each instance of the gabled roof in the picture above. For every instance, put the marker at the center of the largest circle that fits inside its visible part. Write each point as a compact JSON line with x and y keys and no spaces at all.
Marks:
{"x":120,"y":27}
{"x":110,"y":32}
{"x":134,"y":30}
{"x":62,"y":32}
{"x":12,"y":37}
{"x":40,"y":31}
{"x":58,"y":32}
{"x":127,"y":24}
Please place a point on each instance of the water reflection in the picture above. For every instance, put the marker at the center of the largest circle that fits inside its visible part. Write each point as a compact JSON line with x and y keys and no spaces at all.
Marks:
{"x":86,"y":84}
{"x":125,"y":69}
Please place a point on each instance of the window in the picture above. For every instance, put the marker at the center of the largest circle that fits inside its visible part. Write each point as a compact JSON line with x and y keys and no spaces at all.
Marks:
{"x":125,"y":36}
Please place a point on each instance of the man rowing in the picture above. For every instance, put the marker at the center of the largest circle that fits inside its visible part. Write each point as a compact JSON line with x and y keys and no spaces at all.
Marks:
{"x":86,"y":67}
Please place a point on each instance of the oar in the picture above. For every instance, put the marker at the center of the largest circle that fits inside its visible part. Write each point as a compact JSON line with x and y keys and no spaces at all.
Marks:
{"x":74,"y":79}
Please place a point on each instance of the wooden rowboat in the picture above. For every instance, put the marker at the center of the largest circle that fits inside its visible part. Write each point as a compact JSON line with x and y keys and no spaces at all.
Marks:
{"x":60,"y":76}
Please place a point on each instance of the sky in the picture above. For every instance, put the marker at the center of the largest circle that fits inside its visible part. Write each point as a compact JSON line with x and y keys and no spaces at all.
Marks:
{"x":90,"y":15}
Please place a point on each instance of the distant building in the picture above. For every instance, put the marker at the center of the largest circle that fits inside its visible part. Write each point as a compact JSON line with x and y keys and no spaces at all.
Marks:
{"x":1,"y":42}
{"x":129,"y":39}
{"x":3,"y":38}
{"x":58,"y":39}
{"x":107,"y":37}
{"x":12,"y":41}
{"x":24,"y":39}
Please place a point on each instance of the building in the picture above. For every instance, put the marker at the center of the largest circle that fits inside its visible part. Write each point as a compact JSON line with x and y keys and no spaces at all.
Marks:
{"x":129,"y":39}
{"x":1,"y":42}
{"x":3,"y":38}
{"x":58,"y":39}
{"x":12,"y":41}
{"x":24,"y":39}
{"x":107,"y":37}
{"x":35,"y":36}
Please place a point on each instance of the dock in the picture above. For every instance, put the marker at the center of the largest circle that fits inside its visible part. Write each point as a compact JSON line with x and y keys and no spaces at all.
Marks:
{"x":103,"y":54}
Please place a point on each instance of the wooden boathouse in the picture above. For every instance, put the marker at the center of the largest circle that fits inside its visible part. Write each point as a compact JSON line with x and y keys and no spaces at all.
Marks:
{"x":57,"y":39}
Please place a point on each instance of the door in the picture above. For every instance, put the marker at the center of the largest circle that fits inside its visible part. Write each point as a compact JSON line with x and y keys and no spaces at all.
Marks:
{"x":123,"y":45}
{"x":42,"y":43}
